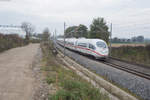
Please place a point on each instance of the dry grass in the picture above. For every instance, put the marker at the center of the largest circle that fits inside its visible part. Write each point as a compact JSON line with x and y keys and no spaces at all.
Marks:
{"x":128,"y":44}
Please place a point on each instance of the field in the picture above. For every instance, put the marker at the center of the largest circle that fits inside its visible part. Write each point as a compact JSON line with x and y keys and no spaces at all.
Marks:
{"x":128,"y":44}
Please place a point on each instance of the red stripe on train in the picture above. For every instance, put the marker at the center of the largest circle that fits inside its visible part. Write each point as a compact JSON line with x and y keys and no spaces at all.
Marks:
{"x":90,"y":50}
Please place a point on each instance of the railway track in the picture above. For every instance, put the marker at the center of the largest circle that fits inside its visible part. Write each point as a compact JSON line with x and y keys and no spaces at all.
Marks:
{"x":129,"y":62}
{"x":125,"y":68}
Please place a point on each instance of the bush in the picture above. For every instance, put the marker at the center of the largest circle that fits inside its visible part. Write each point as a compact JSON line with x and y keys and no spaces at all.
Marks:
{"x":35,"y":41}
{"x":10,"y":41}
{"x":139,"y":54}
{"x":148,"y":49}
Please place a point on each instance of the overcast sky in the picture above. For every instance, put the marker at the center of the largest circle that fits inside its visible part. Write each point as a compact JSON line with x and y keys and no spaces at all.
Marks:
{"x":129,"y":17}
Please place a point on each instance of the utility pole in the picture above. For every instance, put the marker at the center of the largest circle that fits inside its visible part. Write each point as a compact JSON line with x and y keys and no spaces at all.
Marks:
{"x":110,"y":39}
{"x":55,"y":35}
{"x":64,"y":37}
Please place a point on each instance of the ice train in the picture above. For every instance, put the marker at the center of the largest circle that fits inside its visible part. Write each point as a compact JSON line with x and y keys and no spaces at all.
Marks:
{"x":94,"y":47}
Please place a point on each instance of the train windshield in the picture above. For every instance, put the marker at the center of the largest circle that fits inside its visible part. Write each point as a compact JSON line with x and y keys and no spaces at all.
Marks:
{"x":101,"y":44}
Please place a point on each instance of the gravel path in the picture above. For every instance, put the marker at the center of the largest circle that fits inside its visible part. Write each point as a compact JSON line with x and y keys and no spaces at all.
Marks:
{"x":16,"y":78}
{"x":135,"y":84}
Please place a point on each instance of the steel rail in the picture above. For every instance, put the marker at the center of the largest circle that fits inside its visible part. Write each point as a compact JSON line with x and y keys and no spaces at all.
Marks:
{"x":132,"y":71}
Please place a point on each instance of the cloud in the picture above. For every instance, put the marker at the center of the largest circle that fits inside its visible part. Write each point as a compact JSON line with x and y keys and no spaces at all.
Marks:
{"x":124,"y":14}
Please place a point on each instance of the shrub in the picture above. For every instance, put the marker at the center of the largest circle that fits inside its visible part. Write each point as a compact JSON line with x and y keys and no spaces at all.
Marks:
{"x":139,"y":54}
{"x":148,"y":49}
{"x":10,"y":41}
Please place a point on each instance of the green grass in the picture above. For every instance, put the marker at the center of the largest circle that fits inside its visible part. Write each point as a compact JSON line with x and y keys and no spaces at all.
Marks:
{"x":69,"y":85}
{"x":75,"y":90}
{"x":50,"y":80}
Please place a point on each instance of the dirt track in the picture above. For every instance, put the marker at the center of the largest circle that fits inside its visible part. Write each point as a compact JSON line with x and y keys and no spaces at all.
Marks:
{"x":16,"y":79}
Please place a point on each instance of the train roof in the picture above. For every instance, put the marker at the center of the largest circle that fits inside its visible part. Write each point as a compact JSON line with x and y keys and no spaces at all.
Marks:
{"x":90,"y":40}
{"x":83,"y":40}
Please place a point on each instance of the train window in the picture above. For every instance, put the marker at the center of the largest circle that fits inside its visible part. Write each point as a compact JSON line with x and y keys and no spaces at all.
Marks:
{"x":82,"y":44}
{"x":101,"y":44}
{"x":71,"y":43}
{"x":68,"y":42}
{"x":91,"y":46}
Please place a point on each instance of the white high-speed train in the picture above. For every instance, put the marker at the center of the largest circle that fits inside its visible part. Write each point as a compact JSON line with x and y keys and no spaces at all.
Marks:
{"x":94,"y":47}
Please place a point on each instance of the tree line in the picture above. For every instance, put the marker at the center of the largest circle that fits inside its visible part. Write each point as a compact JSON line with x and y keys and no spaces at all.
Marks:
{"x":30,"y":37}
{"x":139,"y":39}
{"x":98,"y":29}
{"x":8,"y":41}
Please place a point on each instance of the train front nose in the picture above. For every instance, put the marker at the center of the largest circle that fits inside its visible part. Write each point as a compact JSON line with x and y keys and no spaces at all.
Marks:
{"x":104,"y":51}
{"x":102,"y":48}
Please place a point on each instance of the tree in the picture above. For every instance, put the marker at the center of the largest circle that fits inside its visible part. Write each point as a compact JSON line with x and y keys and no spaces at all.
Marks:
{"x":76,"y":31}
{"x":28,"y":28}
{"x":82,"y":31}
{"x":140,"y":38}
{"x":99,"y":29}
{"x":71,"y":32}
{"x":134,"y":39}
{"x":46,"y":34}
{"x":115,"y":39}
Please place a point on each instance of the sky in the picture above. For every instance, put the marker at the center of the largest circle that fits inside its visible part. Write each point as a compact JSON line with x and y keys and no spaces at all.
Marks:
{"x":128,"y":17}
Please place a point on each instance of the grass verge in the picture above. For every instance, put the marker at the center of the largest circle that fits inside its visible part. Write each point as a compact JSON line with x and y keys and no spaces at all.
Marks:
{"x":68,"y":85}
